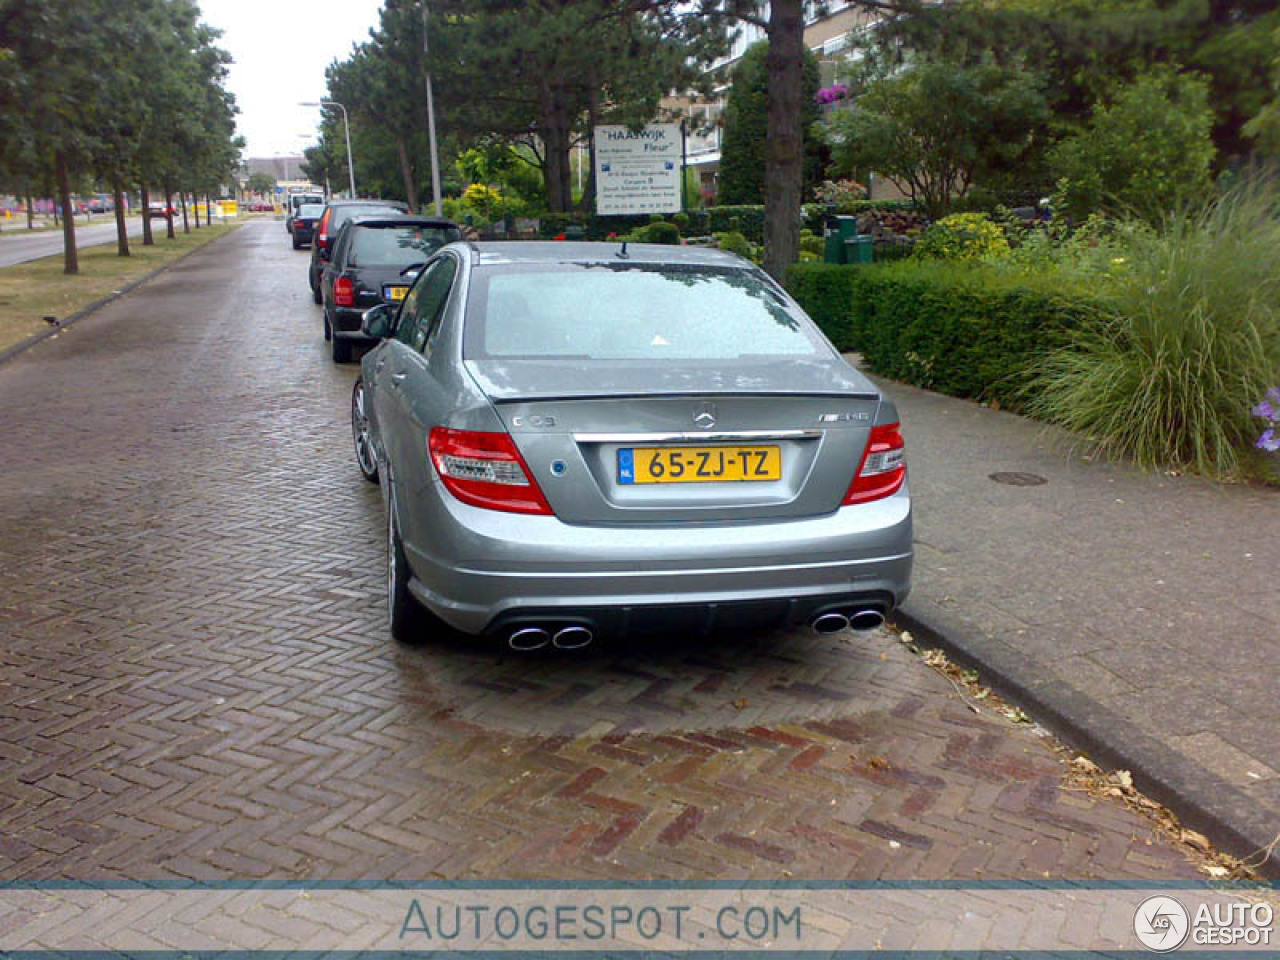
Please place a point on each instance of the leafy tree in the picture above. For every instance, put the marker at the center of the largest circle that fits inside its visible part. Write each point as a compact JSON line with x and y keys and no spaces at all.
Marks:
{"x":1264,"y":127}
{"x":262,"y":184}
{"x":1147,"y":149}
{"x":939,"y":127}
{"x":742,"y":164}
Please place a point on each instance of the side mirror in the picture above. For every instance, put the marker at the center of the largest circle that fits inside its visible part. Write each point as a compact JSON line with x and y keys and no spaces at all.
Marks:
{"x":378,"y":322}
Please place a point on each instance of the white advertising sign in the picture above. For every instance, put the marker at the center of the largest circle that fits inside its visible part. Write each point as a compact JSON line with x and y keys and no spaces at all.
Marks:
{"x":638,"y":171}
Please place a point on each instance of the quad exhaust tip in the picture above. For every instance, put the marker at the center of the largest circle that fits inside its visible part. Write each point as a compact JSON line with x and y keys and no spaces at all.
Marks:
{"x":572,"y":638}
{"x":834,"y":621}
{"x":866,"y":620}
{"x":527,"y":639}
{"x":830,"y":623}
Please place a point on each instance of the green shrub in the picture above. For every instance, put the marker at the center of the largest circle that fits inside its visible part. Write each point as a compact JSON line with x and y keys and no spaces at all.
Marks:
{"x":735,"y":242}
{"x":962,"y":236}
{"x":1148,"y":151}
{"x":660,"y":232}
{"x":1194,"y":340}
{"x":965,"y":330}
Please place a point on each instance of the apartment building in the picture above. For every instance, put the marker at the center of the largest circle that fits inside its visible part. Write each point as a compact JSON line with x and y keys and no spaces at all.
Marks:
{"x":828,"y":33}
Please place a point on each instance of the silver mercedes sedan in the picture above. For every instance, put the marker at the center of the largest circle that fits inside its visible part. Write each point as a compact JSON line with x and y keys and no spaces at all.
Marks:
{"x":587,"y":440}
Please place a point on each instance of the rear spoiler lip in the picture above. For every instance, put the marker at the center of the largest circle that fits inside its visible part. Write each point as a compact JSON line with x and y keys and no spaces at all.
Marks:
{"x":631,"y":395}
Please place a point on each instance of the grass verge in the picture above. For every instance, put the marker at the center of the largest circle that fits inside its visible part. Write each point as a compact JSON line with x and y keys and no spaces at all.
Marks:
{"x":31,"y":291}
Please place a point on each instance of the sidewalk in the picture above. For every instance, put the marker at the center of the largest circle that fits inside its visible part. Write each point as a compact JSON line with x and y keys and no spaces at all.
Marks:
{"x":1137,"y":614}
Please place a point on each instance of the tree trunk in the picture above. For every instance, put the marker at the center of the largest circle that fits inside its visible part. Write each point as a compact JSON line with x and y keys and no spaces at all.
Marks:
{"x":406,"y":170}
{"x":784,"y":148}
{"x":122,"y":231}
{"x":554,"y":131}
{"x":70,"y":258}
{"x":195,"y":209}
{"x":186,"y":224}
{"x":208,"y":211}
{"x":170,"y":233}
{"x":31,"y":213}
{"x":144,"y":196}
{"x":588,"y":199}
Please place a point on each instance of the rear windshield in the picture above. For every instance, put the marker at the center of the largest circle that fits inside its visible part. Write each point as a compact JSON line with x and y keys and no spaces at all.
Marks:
{"x":311,"y":210}
{"x":397,"y":246}
{"x":643,"y":312}
{"x":344,"y":213}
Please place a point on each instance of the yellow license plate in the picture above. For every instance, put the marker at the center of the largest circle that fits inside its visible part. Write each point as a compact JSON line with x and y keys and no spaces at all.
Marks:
{"x":395,"y":294}
{"x":698,"y":464}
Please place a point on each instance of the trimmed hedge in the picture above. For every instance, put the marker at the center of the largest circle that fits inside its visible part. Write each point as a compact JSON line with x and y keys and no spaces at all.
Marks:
{"x":968,"y":331}
{"x":749,"y":220}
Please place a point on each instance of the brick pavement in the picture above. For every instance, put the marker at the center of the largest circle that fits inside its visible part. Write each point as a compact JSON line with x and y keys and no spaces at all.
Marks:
{"x":196,"y":681}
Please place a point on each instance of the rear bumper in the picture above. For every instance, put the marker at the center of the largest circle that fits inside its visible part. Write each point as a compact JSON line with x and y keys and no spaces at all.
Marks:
{"x":481,"y":571}
{"x":345,"y":322}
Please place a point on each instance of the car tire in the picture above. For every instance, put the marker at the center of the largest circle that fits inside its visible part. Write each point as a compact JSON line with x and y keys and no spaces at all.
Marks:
{"x":328,"y":328}
{"x":296,"y":244}
{"x":316,"y":295}
{"x":361,"y":437}
{"x":341,"y":350}
{"x":405,"y":616}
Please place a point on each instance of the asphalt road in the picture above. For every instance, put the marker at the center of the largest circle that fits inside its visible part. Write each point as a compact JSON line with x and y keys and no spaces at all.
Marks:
{"x":18,"y":246}
{"x":196,"y":679}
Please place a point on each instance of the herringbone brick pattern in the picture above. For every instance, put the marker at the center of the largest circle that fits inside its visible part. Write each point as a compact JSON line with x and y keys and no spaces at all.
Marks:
{"x":196,"y":681}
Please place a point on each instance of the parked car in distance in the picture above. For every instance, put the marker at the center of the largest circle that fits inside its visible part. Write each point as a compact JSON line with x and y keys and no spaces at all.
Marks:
{"x":294,"y":202}
{"x":336,"y":213}
{"x":576,"y":440}
{"x":304,"y":223}
{"x":375,"y":260}
{"x":160,"y":211}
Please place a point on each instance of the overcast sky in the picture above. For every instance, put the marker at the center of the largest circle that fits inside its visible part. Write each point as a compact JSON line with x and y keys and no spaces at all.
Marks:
{"x":281,"y":48}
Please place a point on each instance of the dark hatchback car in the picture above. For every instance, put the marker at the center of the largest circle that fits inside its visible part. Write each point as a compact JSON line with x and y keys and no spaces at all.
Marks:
{"x":303,"y":226}
{"x":336,"y":213}
{"x":375,"y":260}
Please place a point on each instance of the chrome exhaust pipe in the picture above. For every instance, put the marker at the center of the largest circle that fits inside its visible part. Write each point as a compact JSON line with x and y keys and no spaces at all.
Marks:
{"x":528,"y":638}
{"x":866,"y":619}
{"x":830,"y":623}
{"x":572,"y":638}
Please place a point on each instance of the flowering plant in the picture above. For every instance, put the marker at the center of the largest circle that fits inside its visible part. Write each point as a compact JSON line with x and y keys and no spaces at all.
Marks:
{"x":832,"y":94}
{"x":1269,"y":410}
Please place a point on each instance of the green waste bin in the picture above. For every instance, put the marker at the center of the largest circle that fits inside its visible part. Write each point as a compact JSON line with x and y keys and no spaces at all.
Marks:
{"x":860,"y":248}
{"x":838,"y":232}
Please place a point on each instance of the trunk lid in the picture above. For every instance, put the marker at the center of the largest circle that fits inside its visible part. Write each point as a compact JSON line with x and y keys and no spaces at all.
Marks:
{"x":718,"y":456}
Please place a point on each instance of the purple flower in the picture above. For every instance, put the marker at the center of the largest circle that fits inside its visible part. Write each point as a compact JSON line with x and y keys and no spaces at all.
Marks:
{"x":1269,"y":441}
{"x":1266,"y":411}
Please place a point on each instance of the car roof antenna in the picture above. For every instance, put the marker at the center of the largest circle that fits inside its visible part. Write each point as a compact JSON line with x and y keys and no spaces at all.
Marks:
{"x":623,"y":252}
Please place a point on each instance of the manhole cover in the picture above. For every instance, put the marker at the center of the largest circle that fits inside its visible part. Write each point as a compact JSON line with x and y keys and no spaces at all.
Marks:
{"x":1018,"y":479}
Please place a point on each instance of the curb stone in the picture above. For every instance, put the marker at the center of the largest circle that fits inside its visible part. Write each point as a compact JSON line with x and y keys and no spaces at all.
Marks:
{"x":1202,"y":800}
{"x":8,"y":353}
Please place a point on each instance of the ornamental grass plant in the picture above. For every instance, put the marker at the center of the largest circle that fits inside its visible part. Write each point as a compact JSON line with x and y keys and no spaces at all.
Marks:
{"x":1169,"y":374}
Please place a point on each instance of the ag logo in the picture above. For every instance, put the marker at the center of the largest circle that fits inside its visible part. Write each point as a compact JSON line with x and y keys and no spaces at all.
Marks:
{"x":1161,"y":923}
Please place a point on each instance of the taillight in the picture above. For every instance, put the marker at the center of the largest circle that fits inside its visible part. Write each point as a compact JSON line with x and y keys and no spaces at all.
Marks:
{"x":322,"y":231}
{"x":299,"y":223}
{"x":883,"y":467}
{"x":344,"y":292}
{"x":485,"y":470}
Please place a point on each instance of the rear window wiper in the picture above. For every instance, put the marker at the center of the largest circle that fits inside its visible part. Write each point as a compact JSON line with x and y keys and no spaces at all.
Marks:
{"x":412,"y":268}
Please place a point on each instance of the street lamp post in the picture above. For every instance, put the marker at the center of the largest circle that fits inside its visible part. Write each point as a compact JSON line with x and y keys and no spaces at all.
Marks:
{"x":346,"y":126}
{"x":431,"y":120}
